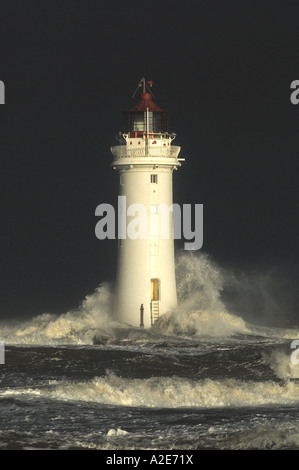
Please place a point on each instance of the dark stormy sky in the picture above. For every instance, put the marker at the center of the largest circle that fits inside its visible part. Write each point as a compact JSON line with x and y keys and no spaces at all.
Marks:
{"x":222,"y":69}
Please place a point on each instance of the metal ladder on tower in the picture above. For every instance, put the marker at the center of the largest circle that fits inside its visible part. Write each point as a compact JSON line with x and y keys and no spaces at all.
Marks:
{"x":154,"y":311}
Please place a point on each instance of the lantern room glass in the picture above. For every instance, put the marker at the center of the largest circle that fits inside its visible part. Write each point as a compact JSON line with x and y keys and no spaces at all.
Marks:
{"x":137,"y":121}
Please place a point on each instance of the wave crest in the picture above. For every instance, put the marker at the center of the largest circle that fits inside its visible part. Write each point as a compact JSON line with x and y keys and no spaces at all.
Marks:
{"x":171,"y":392}
{"x":74,"y":327}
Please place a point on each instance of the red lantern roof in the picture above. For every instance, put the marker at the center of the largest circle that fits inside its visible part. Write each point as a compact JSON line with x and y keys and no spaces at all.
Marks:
{"x":146,"y":103}
{"x":145,"y":117}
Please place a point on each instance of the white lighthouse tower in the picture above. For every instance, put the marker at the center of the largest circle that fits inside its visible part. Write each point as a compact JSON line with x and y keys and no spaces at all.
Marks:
{"x":145,"y":160}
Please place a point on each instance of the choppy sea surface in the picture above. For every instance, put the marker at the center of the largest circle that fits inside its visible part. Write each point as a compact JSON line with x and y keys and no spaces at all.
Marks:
{"x":201,"y":378}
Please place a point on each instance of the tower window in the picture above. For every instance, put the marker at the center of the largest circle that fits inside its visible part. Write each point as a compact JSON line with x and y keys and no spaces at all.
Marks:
{"x":154,"y":179}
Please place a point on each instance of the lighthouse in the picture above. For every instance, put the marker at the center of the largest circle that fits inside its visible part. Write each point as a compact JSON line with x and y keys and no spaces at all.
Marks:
{"x":145,"y":160}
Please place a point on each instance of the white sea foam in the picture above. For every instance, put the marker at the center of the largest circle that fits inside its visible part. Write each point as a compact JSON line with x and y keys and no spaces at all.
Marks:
{"x":202,"y":323}
{"x":117,"y":432}
{"x":169,"y":392}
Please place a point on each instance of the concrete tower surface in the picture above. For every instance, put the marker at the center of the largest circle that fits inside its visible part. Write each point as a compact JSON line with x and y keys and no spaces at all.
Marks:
{"x":145,"y":160}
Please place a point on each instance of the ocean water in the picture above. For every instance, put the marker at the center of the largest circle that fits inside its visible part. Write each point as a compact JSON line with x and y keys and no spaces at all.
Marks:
{"x":201,"y":378}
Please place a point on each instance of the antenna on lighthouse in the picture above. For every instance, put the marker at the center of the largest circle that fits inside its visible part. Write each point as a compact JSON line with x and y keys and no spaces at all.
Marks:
{"x":146,"y":85}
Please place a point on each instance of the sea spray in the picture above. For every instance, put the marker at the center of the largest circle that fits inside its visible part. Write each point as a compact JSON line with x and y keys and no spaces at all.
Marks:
{"x":199,"y":281}
{"x":201,"y":310}
{"x":74,"y":327}
{"x":280,"y":362}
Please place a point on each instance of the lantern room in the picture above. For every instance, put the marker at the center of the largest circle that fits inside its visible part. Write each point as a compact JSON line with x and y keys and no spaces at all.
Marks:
{"x":145,"y":118}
